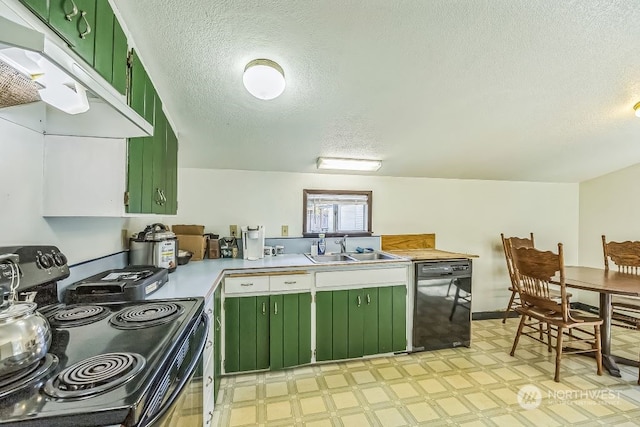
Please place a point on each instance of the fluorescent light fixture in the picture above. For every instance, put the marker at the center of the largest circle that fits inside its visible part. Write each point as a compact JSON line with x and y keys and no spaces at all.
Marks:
{"x":264,"y":79}
{"x":637,"y":108}
{"x":348,"y":164}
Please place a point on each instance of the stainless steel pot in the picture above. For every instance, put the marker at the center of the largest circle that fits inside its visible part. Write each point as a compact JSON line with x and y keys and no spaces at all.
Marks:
{"x":25,"y":336}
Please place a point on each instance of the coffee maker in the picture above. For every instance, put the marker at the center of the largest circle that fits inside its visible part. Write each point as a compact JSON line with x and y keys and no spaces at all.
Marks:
{"x":253,"y":242}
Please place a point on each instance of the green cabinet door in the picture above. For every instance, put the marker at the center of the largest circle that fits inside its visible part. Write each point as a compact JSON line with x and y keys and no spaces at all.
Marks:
{"x":356,"y":324}
{"x":39,"y":7}
{"x":159,"y":158}
{"x":217,"y":342}
{"x":171,"y":169}
{"x":120,"y":53}
{"x":324,"y":326}
{"x":332,"y":319}
{"x":371,"y":322}
{"x":385,"y":318}
{"x":75,"y":22}
{"x":392,"y":318}
{"x":103,"y":52}
{"x":232,"y":334}
{"x":399,"y":318}
{"x":246,"y":333}
{"x":290,"y":330}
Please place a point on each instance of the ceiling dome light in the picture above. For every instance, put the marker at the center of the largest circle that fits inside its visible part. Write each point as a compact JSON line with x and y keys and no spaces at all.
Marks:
{"x":264,"y":79}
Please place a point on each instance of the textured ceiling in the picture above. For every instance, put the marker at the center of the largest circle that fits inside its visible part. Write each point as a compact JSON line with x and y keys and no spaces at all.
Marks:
{"x":497,"y":89}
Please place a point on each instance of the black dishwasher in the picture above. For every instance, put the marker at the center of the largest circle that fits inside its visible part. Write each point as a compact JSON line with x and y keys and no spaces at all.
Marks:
{"x":442,"y":304}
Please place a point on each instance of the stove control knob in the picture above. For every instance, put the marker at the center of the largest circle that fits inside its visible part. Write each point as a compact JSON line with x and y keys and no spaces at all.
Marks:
{"x":45,"y":260}
{"x":60,"y":259}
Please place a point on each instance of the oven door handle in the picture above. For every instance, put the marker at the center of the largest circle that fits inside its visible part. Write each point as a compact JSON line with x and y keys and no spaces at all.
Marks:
{"x":183,"y":382}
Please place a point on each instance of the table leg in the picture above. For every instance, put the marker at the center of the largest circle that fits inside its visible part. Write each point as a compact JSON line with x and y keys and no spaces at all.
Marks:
{"x":605,"y":335}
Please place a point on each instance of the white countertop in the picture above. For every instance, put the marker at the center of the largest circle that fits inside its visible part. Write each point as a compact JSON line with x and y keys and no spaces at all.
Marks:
{"x":200,"y":278}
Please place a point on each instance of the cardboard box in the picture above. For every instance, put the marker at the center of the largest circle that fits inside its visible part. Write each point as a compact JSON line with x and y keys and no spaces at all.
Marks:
{"x":192,"y":230}
{"x":190,"y":238}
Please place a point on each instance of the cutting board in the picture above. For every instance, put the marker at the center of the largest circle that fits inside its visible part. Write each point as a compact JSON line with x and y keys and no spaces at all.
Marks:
{"x":407,"y":241}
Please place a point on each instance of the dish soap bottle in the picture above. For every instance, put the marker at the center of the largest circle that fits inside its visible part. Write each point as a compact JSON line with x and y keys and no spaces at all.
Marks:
{"x":322,"y":245}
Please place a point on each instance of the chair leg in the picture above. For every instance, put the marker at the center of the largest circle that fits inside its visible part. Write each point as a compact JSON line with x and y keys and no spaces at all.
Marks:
{"x":549,"y":346}
{"x":599,"y":349}
{"x":455,"y":303}
{"x":506,"y":312}
{"x":520,"y":327}
{"x":449,"y":288}
{"x":556,"y":378}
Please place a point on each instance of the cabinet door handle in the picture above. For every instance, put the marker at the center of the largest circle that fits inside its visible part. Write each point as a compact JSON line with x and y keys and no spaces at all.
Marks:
{"x":368,"y":299}
{"x":359,"y":300}
{"x":264,"y":308}
{"x":210,"y":417}
{"x":209,"y":312}
{"x":218,"y":324}
{"x":74,"y":11}
{"x":275,"y":308}
{"x":290,"y":283}
{"x":164,"y":198}
{"x":246,"y":284}
{"x":209,"y":344}
{"x":158,"y":197}
{"x":209,"y":381}
{"x":87,"y":30}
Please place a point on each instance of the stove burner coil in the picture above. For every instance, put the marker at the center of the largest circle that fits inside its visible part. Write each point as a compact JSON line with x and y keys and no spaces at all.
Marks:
{"x":94,"y":375}
{"x":78,"y":315}
{"x":147,"y":315}
{"x":30,"y":376}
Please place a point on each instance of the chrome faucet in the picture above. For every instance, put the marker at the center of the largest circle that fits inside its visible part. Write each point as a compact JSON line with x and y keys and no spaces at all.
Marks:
{"x":343,"y":243}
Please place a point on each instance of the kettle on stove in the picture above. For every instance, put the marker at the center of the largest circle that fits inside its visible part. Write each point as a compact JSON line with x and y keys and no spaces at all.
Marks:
{"x":155,"y":245}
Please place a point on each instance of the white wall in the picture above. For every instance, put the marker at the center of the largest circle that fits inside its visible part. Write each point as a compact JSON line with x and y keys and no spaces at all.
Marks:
{"x":609,"y":205}
{"x":467,"y":216}
{"x":21,"y":222}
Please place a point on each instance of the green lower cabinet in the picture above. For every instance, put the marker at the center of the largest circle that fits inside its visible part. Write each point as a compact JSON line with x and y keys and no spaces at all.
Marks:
{"x":360,"y":322}
{"x":217,"y":340}
{"x":290,"y":330}
{"x":332,"y":334}
{"x":267,"y":332}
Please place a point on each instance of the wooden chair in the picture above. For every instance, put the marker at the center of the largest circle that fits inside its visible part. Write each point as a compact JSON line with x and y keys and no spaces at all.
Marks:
{"x":534,"y":270}
{"x":625,"y":311}
{"x":507,"y":243}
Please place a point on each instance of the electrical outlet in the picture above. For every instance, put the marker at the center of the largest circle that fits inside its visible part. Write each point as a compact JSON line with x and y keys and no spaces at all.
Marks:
{"x":285,"y":231}
{"x":233,"y":230}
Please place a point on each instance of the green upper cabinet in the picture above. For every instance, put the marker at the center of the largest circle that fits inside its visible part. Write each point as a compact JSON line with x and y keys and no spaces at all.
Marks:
{"x":103,"y":55}
{"x":39,"y":7}
{"x":75,"y":22}
{"x":110,"y":57}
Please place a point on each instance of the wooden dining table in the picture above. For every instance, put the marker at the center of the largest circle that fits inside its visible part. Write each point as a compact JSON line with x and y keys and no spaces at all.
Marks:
{"x":606,"y":283}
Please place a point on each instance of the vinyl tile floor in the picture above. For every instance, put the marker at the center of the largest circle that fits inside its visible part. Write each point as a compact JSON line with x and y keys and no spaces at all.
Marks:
{"x":477,"y":386}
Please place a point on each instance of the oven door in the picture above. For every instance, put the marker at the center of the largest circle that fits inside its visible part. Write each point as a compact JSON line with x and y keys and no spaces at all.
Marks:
{"x":179,"y":399}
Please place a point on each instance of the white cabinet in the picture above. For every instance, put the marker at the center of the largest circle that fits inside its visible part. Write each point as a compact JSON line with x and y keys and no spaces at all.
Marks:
{"x":84,"y":176}
{"x":358,"y":277}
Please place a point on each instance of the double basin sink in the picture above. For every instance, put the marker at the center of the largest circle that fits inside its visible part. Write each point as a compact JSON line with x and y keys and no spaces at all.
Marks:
{"x":352,"y":257}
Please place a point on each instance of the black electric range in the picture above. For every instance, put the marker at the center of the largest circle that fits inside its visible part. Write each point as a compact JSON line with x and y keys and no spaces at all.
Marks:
{"x":116,"y":363}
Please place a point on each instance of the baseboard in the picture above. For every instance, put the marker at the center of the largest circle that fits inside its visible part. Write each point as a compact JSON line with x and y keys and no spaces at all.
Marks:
{"x":486,"y":315}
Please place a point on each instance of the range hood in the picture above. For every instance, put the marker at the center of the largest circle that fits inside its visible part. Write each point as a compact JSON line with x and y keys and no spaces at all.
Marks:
{"x":47,"y":88}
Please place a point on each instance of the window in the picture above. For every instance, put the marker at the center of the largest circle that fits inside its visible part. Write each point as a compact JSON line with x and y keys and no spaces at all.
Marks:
{"x":336,"y":213}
